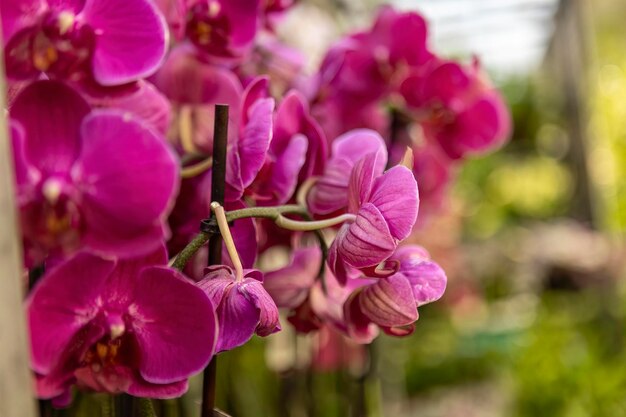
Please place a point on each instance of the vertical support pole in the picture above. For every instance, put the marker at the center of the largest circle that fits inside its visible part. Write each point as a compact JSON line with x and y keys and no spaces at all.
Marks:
{"x":218,"y":185}
{"x":570,"y":48}
{"x":16,"y":381}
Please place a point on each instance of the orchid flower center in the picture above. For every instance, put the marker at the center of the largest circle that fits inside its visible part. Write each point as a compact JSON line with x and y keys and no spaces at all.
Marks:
{"x":53,"y":219}
{"x":441,"y":115}
{"x":208,"y":27}
{"x":102,"y":354}
{"x":60,"y":45}
{"x":101,"y":365}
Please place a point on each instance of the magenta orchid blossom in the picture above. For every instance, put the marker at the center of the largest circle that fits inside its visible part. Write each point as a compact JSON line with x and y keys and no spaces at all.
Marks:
{"x":243,"y":306}
{"x":384,"y":208}
{"x":112,"y":41}
{"x":119,"y":326}
{"x":222,"y":29}
{"x":297,"y":151}
{"x":459,"y":108}
{"x":72,"y":164}
{"x":289,"y":286}
{"x":330,"y":192}
{"x":391,"y":302}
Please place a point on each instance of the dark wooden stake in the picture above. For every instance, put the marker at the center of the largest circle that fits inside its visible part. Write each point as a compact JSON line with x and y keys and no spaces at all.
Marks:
{"x":218,"y":185}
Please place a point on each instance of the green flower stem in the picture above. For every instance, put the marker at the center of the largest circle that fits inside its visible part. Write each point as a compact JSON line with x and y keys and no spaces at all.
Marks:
{"x":266,"y":212}
{"x":307,"y":226}
{"x":197,"y":169}
{"x":276,"y":214}
{"x":273,"y":213}
{"x":192,"y":247}
{"x":146,"y":407}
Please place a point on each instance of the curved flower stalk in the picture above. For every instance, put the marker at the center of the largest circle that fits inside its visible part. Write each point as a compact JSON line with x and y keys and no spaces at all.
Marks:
{"x":112,"y":41}
{"x":119,"y":326}
{"x":192,"y":206}
{"x":193,"y":88}
{"x":73,"y":165}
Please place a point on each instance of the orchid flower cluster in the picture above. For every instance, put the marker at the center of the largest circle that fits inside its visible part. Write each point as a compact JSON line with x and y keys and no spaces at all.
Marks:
{"x":111,"y":113}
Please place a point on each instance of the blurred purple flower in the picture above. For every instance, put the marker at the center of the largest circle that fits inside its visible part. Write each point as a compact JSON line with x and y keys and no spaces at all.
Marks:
{"x":363,"y":70}
{"x":119,"y":326}
{"x":96,"y":179}
{"x":298,"y":150}
{"x":222,"y":29}
{"x":458,"y":108}
{"x":289,"y":286}
{"x":330,"y":192}
{"x":113,"y":41}
{"x":141,"y":99}
{"x":193,"y":88}
{"x":247,"y":155}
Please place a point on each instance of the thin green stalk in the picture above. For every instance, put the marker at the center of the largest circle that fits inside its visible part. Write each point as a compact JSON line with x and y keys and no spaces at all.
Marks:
{"x":307,"y":226}
{"x":146,"y":407}
{"x":274,"y":213}
{"x":192,"y":247}
{"x":265,"y":212}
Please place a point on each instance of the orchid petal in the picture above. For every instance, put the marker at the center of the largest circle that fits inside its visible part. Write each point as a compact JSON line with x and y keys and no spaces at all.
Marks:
{"x":125,"y":194}
{"x":62,"y":303}
{"x":132,"y":39}
{"x":395,"y":195}
{"x":50,"y":114}
{"x":389,"y":302}
{"x":140,"y":388}
{"x":330,"y":192}
{"x":255,"y":138}
{"x":362,"y":180}
{"x":359,"y":327}
{"x":268,"y":312}
{"x":176,"y":338}
{"x":289,"y":286}
{"x":18,"y":14}
{"x":367,"y":241}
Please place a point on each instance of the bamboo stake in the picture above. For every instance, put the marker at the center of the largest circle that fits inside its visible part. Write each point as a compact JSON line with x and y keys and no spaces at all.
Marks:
{"x":16,"y":382}
{"x":218,"y":185}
